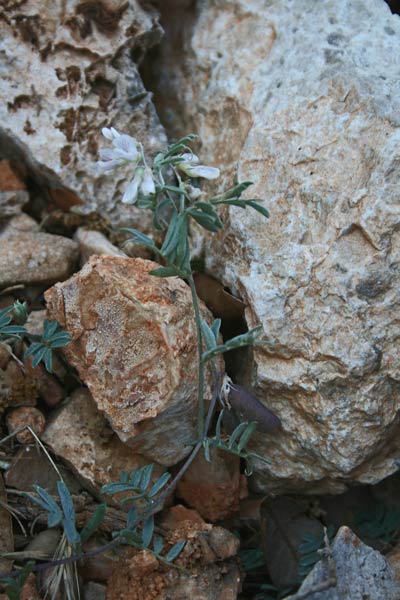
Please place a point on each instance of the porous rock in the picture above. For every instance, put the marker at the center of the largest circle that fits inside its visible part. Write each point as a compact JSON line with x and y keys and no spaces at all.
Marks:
{"x":36,"y":258}
{"x":302,"y":99}
{"x":68,"y":71}
{"x":357,"y":571}
{"x":134,"y":345}
{"x":210,"y":571}
{"x":79,"y":433}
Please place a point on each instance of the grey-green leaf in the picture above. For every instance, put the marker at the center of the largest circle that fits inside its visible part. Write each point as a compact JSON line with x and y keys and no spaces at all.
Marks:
{"x":175,"y":550}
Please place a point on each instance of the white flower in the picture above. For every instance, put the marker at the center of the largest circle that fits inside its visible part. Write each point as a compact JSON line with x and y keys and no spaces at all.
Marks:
{"x":141,"y":183}
{"x":190,"y":165}
{"x":125,"y":150}
{"x":194,"y":192}
{"x":147,"y":187}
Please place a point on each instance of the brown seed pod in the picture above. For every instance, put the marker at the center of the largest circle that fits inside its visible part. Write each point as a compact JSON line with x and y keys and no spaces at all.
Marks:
{"x":248,"y":408}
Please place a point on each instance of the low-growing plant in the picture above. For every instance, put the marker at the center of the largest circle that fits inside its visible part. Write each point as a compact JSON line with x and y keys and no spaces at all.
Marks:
{"x":41,"y":348}
{"x":168,"y":186}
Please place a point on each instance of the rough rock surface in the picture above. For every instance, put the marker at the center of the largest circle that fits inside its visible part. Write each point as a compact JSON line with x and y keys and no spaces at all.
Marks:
{"x":79,"y":433}
{"x":213,"y":488}
{"x":211,"y":572}
{"x":38,"y":258}
{"x":13,"y":193}
{"x":68,"y":71}
{"x":302,"y":98}
{"x":134,"y":345}
{"x":94,"y":242}
{"x":360,"y":573}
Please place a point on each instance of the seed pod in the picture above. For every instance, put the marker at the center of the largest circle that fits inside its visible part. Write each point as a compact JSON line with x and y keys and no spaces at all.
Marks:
{"x":248,"y":408}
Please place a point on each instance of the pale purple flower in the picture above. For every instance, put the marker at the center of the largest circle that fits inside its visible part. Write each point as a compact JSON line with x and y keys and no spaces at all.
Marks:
{"x":190,"y":166}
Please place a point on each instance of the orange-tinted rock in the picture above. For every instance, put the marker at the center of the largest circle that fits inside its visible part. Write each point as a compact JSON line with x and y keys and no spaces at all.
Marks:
{"x":213,"y":488}
{"x":210,"y":571}
{"x":23,"y":417}
{"x":13,"y":194}
{"x":134,"y":345}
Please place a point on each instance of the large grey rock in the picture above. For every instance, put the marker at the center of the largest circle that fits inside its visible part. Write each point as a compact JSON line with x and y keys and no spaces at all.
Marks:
{"x":302,"y":98}
{"x":360,"y":573}
{"x":67,"y":71}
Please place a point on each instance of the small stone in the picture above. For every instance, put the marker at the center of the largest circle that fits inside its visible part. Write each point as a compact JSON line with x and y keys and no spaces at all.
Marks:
{"x":94,"y":591}
{"x":20,"y":224}
{"x":22,"y":417}
{"x":95,"y":242}
{"x":36,"y":258}
{"x":210,"y":571}
{"x":47,"y":385}
{"x":212,"y":488}
{"x":29,"y":467}
{"x":22,"y":388}
{"x":4,"y":357}
{"x":13,"y":193}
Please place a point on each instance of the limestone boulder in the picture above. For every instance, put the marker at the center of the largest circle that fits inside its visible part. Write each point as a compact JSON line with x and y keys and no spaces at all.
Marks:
{"x":134,"y":345}
{"x":67,"y":71}
{"x":302,"y":99}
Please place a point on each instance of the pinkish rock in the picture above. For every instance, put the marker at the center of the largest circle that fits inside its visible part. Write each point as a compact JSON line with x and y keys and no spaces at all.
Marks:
{"x":134,"y":345}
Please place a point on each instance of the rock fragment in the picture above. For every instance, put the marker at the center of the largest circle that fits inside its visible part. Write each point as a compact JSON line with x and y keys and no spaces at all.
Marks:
{"x":78,"y":433}
{"x":213,"y":488}
{"x":36,"y":258}
{"x":13,"y":193}
{"x":94,"y":242}
{"x":134,"y":345}
{"x":22,"y":417}
{"x":359,"y":572}
{"x":210,"y":571}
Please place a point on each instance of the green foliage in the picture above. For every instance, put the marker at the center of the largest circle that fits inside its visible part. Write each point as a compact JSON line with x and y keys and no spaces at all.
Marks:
{"x":235,"y":444}
{"x":65,"y":515}
{"x":53,"y":337}
{"x":13,"y":585}
{"x":6,"y":329}
{"x":309,"y":549}
{"x":378,"y":523}
{"x":42,"y":347}
{"x":140,"y":530}
{"x":174,"y":205}
{"x":245,"y":339}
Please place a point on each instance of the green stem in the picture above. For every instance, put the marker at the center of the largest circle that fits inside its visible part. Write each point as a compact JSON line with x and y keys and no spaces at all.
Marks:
{"x":200,"y":383}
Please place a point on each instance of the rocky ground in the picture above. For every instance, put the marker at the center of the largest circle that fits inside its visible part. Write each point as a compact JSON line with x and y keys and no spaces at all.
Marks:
{"x":302,"y":99}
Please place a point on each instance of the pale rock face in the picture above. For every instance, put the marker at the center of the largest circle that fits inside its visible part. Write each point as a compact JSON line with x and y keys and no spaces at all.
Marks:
{"x":134,"y":345}
{"x":360,"y":572}
{"x":67,"y":71}
{"x":302,"y":99}
{"x":80,"y":434}
{"x":34,"y":258}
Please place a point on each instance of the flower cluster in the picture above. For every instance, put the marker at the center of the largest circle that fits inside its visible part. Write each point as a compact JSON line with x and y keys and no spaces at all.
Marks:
{"x":126,"y":149}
